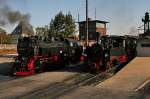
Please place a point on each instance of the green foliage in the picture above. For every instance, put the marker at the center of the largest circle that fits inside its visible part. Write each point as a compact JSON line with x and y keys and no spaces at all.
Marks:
{"x":59,"y":23}
{"x":42,"y":31}
{"x":5,"y":38}
{"x":2,"y":30}
{"x":52,"y":28}
{"x":62,"y":25}
{"x":69,"y":24}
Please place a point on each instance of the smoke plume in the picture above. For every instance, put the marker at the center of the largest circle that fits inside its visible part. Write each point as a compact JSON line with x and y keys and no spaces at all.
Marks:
{"x":8,"y":16}
{"x":133,"y":31}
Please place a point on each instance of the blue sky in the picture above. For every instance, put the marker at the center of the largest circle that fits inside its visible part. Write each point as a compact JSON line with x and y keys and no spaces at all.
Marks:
{"x":124,"y":15}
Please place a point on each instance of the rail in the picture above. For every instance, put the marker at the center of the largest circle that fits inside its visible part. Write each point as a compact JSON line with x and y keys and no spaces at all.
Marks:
{"x":57,"y":89}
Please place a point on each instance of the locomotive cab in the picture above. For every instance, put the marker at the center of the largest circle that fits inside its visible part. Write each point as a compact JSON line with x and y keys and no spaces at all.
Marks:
{"x":117,"y":51}
{"x":123,"y":48}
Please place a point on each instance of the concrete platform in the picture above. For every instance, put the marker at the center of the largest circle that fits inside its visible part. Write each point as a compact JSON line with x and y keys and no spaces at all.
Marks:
{"x":126,"y":84}
{"x":136,"y":73}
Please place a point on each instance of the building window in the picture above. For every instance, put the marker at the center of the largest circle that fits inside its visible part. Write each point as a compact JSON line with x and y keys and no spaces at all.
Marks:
{"x":90,"y":36}
{"x":82,"y":37}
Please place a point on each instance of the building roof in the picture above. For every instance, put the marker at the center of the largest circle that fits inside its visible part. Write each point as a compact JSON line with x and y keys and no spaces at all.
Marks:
{"x":23,"y":28}
{"x":98,"y":21}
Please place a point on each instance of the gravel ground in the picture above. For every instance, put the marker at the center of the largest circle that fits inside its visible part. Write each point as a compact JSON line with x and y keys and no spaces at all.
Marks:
{"x":29,"y":84}
{"x":10,"y":87}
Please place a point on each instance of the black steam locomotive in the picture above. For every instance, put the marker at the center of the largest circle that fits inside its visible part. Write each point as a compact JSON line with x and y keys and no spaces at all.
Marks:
{"x":110,"y":51}
{"x":36,"y":55}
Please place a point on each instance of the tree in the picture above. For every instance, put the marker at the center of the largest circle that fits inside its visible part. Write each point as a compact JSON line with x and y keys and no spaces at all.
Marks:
{"x":42,"y":32}
{"x":59,"y":23}
{"x":2,"y":30}
{"x":69,"y":24}
{"x":62,"y":25}
{"x":5,"y":38}
{"x":52,"y":28}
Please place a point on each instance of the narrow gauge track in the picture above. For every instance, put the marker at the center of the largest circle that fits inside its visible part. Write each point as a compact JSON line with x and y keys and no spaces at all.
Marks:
{"x":55,"y":90}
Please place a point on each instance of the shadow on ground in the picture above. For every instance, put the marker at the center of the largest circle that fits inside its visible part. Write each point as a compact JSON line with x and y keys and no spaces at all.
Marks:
{"x":5,"y":68}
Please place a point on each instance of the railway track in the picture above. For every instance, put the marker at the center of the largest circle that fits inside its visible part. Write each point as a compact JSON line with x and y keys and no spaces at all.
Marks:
{"x":55,"y":90}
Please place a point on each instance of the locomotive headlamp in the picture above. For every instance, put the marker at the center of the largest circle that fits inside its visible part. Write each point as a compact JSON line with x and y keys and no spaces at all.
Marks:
{"x":99,"y":42}
{"x":61,"y":52}
{"x":106,"y":55}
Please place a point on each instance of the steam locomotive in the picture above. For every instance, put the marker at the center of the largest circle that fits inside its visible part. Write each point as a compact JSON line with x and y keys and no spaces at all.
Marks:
{"x":36,"y":55}
{"x":119,"y":50}
{"x":110,"y":51}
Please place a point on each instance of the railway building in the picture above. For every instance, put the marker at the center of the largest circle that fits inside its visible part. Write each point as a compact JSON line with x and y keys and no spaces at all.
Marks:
{"x":96,"y":29}
{"x":143,"y":45}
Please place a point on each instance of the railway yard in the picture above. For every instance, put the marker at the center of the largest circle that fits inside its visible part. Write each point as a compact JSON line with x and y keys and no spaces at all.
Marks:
{"x":75,"y":82}
{"x":62,"y":61}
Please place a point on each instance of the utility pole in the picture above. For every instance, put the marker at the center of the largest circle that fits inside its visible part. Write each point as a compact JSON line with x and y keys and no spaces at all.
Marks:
{"x":1,"y":38}
{"x":78,"y":17}
{"x":95,"y":13}
{"x":87,"y":34}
